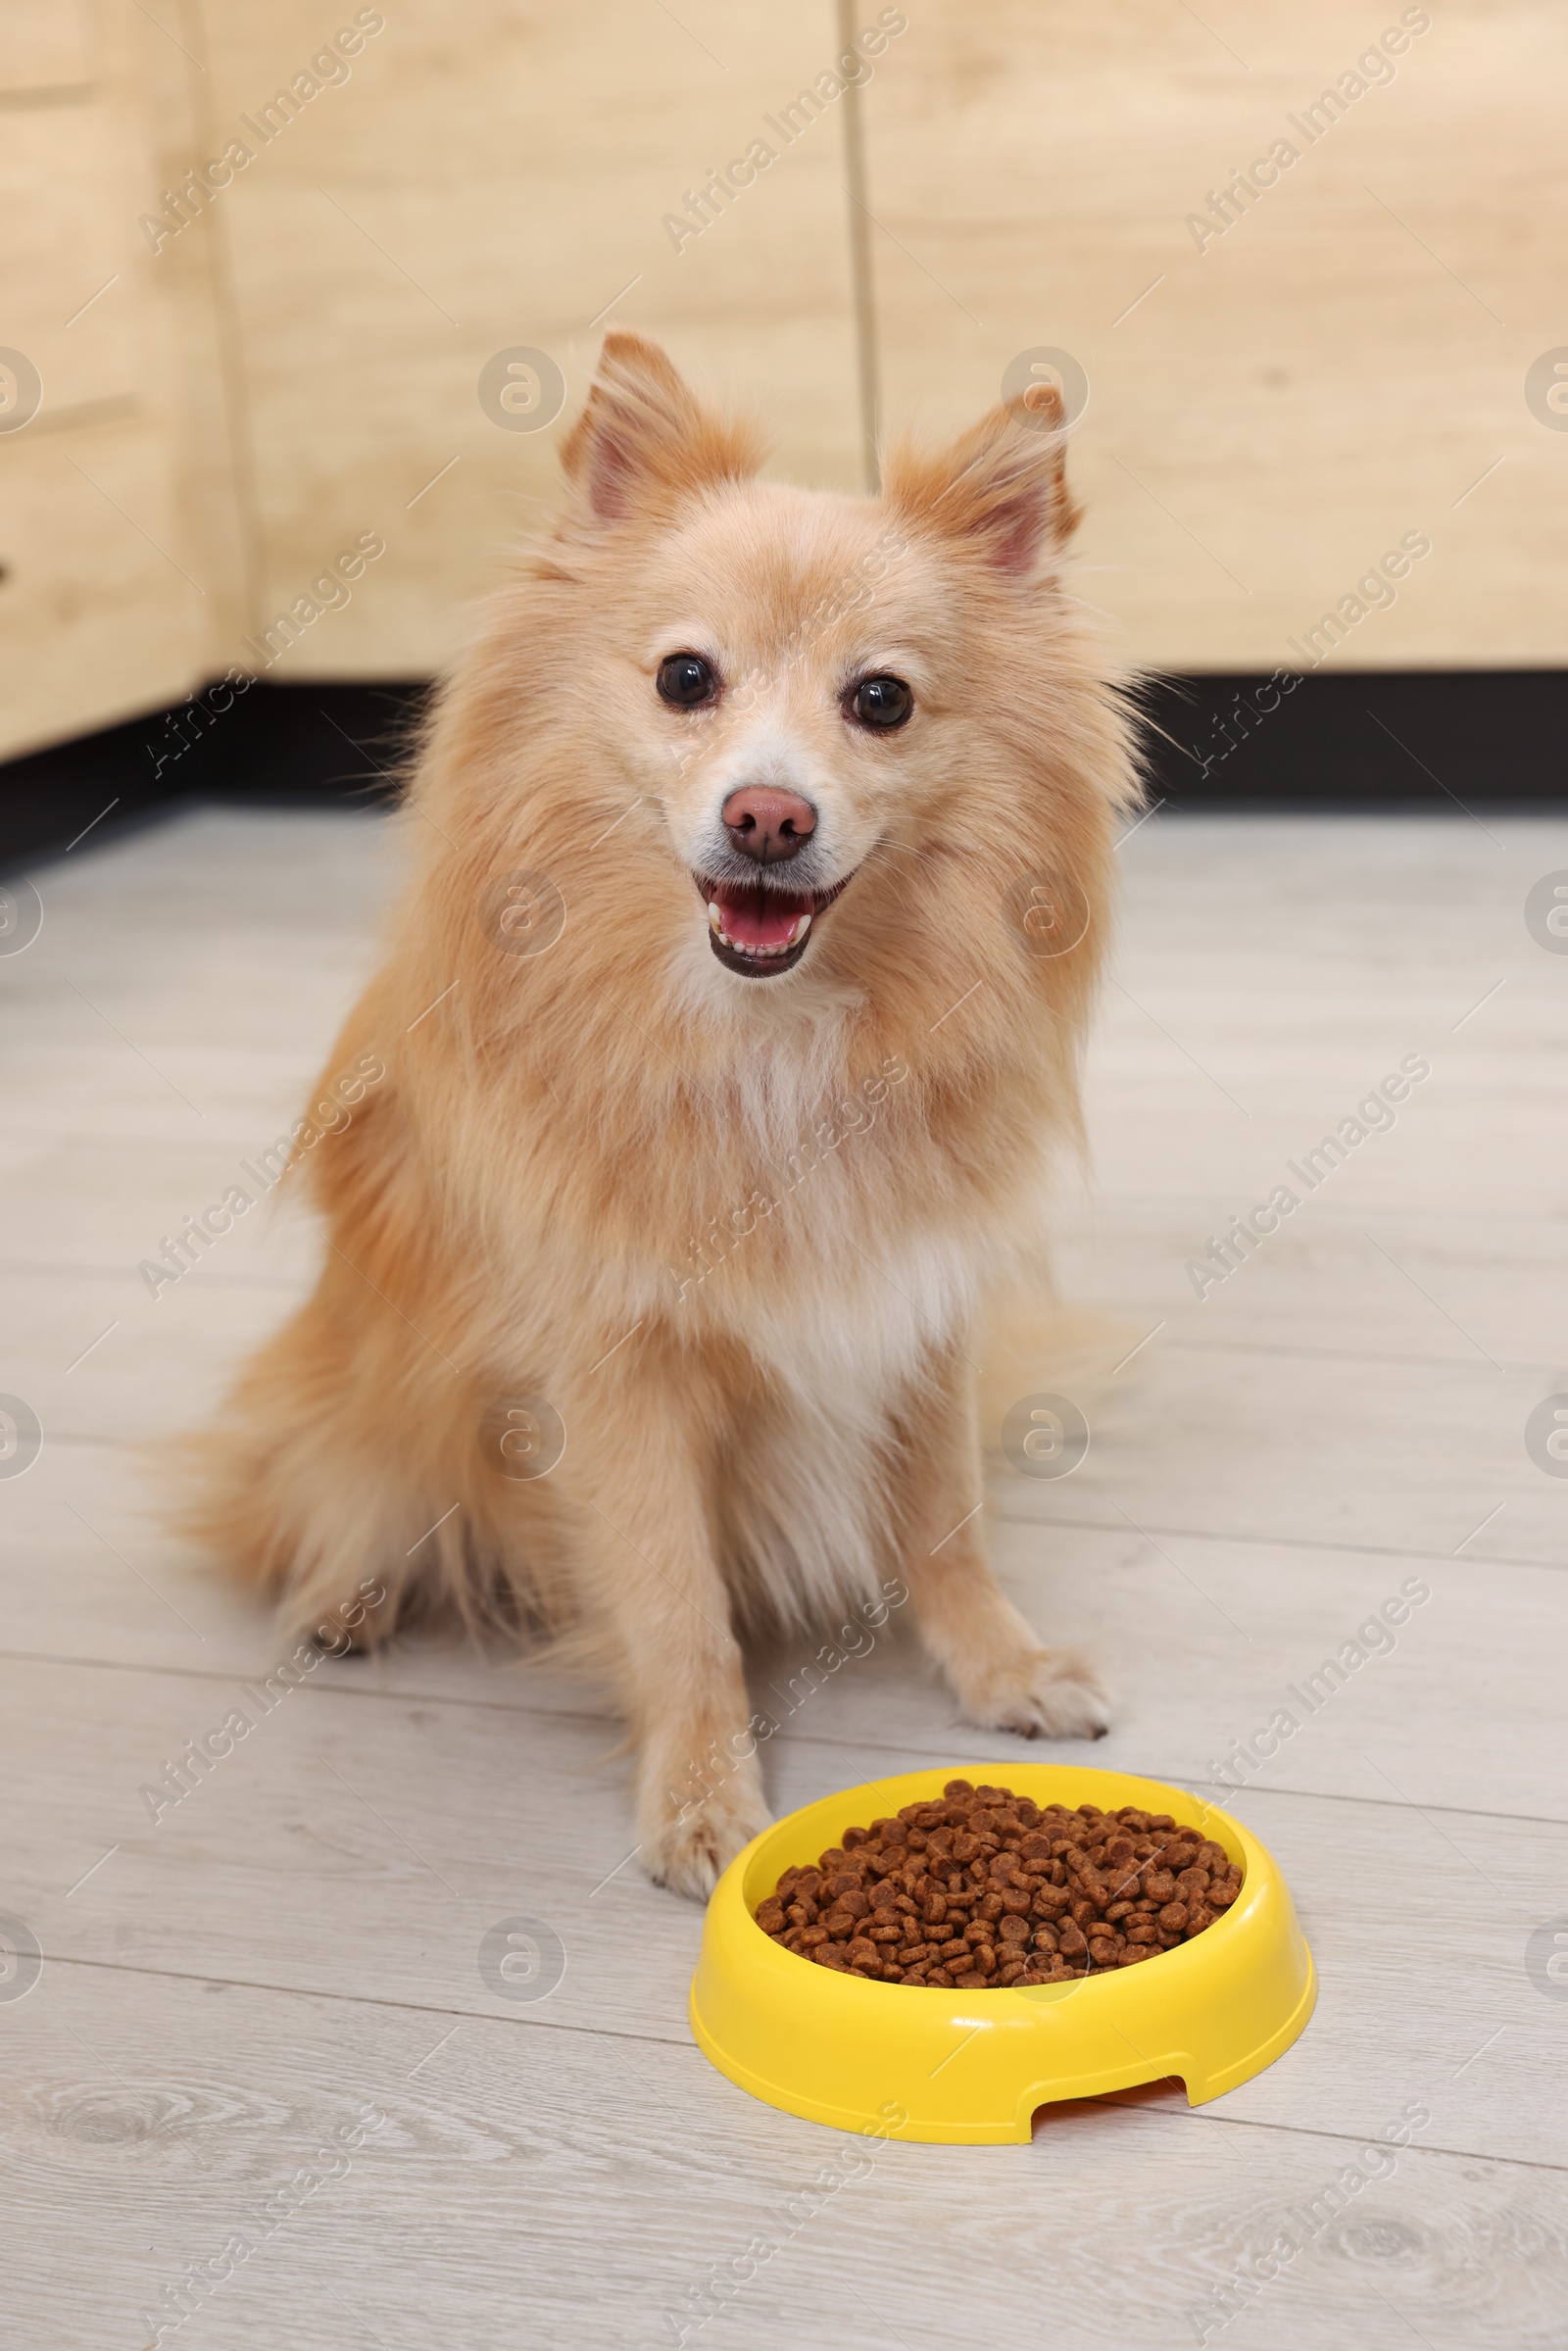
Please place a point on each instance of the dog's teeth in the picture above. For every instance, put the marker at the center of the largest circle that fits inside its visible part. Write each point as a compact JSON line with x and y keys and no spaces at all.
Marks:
{"x":715,"y":924}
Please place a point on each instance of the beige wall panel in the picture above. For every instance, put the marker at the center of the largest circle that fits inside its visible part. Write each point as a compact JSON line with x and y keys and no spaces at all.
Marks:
{"x":95,"y":623}
{"x":71,"y":182}
{"x":1315,"y":382}
{"x":44,"y":46}
{"x":102,"y":623}
{"x":496,"y":180}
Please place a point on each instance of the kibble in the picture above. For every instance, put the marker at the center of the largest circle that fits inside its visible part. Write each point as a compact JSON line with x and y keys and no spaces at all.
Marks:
{"x":981,"y":1890}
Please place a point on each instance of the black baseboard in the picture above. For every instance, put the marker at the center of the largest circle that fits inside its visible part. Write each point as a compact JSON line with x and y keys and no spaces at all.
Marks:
{"x":280,"y":746}
{"x":1373,"y":739}
{"x":1417,"y":740}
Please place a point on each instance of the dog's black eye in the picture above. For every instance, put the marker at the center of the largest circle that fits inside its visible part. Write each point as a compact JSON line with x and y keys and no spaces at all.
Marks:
{"x":882,"y":702}
{"x":685,"y":679}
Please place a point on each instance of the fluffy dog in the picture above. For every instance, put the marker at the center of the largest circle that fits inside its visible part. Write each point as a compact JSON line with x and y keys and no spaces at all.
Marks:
{"x":760,"y":856}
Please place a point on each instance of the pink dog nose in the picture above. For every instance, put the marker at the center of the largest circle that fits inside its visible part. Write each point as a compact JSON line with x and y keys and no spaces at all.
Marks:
{"x":766,"y":824}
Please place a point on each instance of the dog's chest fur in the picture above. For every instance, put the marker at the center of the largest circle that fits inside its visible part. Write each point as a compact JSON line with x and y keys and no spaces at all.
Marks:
{"x":842,"y":1351}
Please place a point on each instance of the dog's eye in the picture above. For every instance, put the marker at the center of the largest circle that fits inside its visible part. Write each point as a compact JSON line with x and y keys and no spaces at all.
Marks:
{"x":685,"y":679}
{"x":882,"y":702}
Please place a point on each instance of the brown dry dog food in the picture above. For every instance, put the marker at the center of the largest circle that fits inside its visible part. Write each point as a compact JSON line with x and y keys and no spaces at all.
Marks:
{"x":982,"y":1888}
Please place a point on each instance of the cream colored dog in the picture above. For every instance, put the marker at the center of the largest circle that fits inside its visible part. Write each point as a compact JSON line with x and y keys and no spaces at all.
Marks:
{"x":759,"y":864}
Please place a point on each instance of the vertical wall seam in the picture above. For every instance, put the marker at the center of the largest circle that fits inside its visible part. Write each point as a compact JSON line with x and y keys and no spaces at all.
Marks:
{"x":861,"y":289}
{"x":228,"y":335}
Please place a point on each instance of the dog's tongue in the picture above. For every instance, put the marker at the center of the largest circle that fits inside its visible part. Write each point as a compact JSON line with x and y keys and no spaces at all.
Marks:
{"x":761,"y":918}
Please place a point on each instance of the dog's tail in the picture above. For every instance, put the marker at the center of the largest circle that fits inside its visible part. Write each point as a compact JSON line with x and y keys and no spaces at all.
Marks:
{"x":1037,"y":1352}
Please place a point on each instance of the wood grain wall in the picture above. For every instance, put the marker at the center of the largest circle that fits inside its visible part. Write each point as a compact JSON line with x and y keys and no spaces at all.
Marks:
{"x":1297,"y":390}
{"x":119,"y":532}
{"x":1273,"y":400}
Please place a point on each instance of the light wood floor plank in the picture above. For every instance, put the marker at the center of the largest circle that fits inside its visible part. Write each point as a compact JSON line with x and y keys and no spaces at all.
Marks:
{"x":300,"y":1932}
{"x":364,"y":1851}
{"x":534,"y":2187}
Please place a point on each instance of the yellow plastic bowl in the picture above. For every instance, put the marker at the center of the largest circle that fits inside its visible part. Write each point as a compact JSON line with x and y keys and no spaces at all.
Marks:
{"x":973,"y":2068}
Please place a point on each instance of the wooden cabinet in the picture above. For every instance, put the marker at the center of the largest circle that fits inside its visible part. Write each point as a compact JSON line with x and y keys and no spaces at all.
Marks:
{"x":118,"y":537}
{"x":1286,"y":375}
{"x":491,"y":181}
{"x":1282,"y":383}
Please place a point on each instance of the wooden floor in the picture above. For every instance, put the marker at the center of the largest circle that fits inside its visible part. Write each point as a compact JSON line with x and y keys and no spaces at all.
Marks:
{"x":291,"y":1951}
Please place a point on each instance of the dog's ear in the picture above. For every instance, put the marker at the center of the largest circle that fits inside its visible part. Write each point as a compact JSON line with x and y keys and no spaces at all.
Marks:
{"x":1001,"y":489}
{"x":645,"y":441}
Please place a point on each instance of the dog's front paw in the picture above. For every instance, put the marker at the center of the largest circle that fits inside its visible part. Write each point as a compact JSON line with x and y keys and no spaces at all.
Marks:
{"x":1040,"y":1694}
{"x":689,"y":1850}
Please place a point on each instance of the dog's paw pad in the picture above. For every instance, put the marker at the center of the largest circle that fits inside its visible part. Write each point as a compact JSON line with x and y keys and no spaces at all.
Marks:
{"x":1040,"y":1694}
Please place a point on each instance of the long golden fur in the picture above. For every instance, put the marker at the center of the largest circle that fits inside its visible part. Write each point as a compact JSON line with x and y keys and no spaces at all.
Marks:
{"x":737,"y":1233}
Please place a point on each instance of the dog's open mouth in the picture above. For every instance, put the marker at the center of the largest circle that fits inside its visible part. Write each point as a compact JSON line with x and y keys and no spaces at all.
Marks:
{"x":759,"y":931}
